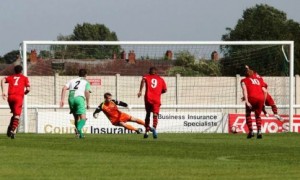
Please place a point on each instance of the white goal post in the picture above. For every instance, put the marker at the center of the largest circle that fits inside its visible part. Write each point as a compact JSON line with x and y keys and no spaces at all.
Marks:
{"x":289,"y":56}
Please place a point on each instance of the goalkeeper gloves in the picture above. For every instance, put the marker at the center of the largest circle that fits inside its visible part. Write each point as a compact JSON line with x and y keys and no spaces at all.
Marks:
{"x":96,"y":113}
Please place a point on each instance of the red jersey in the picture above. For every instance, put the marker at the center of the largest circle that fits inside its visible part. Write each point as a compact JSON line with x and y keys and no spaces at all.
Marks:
{"x":255,"y":75}
{"x":155,"y":86}
{"x":17,"y":84}
{"x":254,"y":87}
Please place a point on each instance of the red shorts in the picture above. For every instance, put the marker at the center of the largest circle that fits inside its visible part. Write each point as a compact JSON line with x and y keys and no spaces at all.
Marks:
{"x":152,"y":107}
{"x":15,"y":103}
{"x":257,"y":106}
{"x":123,"y":117}
{"x":269,"y":100}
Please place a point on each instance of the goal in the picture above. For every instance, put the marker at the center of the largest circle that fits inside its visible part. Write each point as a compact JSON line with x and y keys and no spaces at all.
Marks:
{"x":203,"y":80}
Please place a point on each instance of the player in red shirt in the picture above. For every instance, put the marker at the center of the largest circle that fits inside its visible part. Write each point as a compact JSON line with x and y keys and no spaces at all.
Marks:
{"x":155,"y":86}
{"x":18,"y":86}
{"x":269,"y":100}
{"x":255,"y":94}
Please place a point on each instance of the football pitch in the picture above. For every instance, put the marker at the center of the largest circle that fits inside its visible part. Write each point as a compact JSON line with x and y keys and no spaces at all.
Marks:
{"x":171,"y":156}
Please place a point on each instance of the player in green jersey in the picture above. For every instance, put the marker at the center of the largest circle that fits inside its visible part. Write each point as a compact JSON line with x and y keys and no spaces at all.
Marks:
{"x":79,"y":96}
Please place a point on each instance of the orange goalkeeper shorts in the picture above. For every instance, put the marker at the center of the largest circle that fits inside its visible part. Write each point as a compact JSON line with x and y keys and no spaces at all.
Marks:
{"x":123,"y":117}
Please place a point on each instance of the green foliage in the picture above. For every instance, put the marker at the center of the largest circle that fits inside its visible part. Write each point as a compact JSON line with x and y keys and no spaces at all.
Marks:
{"x":186,"y":65}
{"x":267,"y":60}
{"x":184,"y":59}
{"x":2,"y":60}
{"x":183,"y":71}
{"x":11,"y":56}
{"x":87,"y":32}
{"x":208,"y":68}
{"x":261,"y":22}
{"x":294,"y":34}
{"x":45,"y":54}
{"x":61,"y":37}
{"x":93,"y":32}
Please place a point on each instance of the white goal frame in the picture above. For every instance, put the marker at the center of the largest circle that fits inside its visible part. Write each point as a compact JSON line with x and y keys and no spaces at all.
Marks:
{"x":291,"y":105}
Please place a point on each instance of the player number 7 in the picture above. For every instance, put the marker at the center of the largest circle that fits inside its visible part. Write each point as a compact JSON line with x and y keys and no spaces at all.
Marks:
{"x":16,"y":81}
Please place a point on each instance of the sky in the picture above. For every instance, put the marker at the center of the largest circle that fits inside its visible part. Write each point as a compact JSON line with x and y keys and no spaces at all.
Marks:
{"x":132,"y":20}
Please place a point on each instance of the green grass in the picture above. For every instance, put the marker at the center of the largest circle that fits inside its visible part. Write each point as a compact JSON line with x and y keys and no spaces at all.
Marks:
{"x":172,"y":156}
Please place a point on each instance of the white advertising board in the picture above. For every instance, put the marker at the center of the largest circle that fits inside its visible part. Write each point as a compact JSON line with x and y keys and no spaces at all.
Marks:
{"x":175,"y":122}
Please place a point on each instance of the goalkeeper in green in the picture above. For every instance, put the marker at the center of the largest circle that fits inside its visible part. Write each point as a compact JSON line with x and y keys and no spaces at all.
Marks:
{"x":79,"y":96}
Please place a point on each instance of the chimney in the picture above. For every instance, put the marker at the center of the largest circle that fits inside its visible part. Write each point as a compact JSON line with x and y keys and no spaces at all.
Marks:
{"x":131,"y":57}
{"x":214,"y":56}
{"x":33,"y":57}
{"x":114,"y":56}
{"x":123,"y":55}
{"x":169,"y":55}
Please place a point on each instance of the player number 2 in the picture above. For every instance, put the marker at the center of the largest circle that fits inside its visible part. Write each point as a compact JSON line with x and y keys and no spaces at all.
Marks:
{"x":153,"y":83}
{"x":16,"y":81}
{"x":77,"y":84}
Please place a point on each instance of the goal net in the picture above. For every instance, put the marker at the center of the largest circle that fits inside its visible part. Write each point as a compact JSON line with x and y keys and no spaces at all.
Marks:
{"x":203,"y":81}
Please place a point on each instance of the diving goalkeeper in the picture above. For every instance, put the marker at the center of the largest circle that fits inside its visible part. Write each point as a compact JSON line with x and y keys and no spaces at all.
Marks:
{"x":116,"y":117}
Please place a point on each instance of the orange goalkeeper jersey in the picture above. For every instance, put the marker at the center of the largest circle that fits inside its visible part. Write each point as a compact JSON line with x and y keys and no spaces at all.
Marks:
{"x":110,"y":109}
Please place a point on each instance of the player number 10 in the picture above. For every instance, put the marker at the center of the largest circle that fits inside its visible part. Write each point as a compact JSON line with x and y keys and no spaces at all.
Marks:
{"x":255,"y":81}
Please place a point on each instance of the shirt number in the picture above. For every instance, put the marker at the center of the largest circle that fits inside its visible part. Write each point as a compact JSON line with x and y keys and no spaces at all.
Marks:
{"x":255,"y":81}
{"x":77,"y":84}
{"x":16,"y":81}
{"x":153,"y":83}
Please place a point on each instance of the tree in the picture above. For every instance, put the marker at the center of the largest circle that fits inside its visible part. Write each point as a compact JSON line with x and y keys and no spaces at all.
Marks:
{"x":44,"y":54}
{"x":11,"y":56}
{"x":88,"y":32}
{"x":186,"y":65}
{"x":261,"y":22}
{"x":185,"y":59}
{"x":2,"y":60}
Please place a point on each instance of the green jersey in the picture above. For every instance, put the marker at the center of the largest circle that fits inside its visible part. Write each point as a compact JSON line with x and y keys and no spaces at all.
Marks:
{"x":77,"y":88}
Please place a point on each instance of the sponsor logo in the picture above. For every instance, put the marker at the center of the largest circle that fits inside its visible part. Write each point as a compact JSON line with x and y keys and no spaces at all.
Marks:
{"x":169,"y":116}
{"x":115,"y":130}
{"x":63,"y":123}
{"x":188,"y":117}
{"x":48,"y":128}
{"x":200,"y":123}
{"x":95,"y":81}
{"x":269,"y":124}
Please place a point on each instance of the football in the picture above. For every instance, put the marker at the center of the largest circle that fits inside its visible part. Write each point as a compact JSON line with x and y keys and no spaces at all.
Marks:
{"x":234,"y":129}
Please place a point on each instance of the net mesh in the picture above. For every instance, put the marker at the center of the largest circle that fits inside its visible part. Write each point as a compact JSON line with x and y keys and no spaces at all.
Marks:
{"x":195,"y":75}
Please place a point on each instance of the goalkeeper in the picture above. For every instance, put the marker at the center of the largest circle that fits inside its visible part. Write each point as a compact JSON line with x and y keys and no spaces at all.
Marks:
{"x":116,"y":117}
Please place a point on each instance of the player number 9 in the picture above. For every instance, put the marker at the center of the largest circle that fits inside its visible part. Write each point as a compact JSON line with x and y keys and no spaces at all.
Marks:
{"x":153,"y":83}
